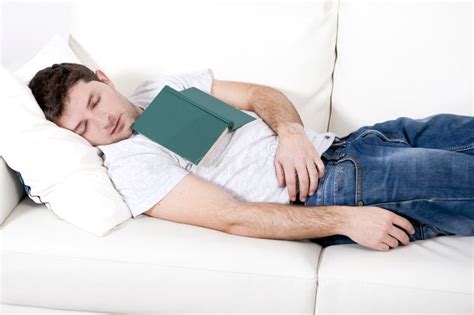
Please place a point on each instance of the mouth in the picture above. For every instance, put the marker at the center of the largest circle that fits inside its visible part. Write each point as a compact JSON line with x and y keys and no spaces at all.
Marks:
{"x":117,"y":125}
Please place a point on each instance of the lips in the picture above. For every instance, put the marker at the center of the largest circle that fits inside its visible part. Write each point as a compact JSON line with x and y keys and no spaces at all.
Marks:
{"x":116,"y":125}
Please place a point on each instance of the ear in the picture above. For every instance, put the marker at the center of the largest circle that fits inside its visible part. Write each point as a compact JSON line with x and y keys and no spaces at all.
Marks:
{"x":101,"y":75}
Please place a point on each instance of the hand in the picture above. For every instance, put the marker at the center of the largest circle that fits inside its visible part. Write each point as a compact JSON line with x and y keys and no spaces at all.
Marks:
{"x":297,"y":154}
{"x":375,"y":227}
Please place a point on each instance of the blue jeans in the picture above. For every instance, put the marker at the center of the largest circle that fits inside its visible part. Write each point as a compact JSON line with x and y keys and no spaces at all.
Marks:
{"x":421,"y":169}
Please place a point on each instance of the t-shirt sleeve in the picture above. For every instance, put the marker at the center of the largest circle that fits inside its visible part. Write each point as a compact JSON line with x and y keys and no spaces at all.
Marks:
{"x":201,"y":79}
{"x":144,"y":179}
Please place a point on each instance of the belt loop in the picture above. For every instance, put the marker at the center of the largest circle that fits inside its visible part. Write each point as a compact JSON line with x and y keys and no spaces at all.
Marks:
{"x":340,"y":152}
{"x":334,"y":153}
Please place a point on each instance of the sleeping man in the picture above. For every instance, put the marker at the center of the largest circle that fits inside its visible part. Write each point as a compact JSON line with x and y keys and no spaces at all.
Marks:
{"x":380,"y":186}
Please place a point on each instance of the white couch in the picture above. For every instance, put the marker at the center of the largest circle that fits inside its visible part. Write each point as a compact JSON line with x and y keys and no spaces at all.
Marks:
{"x":343,"y":64}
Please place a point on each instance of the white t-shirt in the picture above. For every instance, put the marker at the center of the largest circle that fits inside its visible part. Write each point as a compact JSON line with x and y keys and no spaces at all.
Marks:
{"x":241,"y":163}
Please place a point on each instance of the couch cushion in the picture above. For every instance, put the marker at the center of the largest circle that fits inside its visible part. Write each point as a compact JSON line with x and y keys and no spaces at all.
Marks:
{"x":6,"y":309}
{"x":427,"y":276}
{"x":148,"y":264}
{"x":11,"y":191}
{"x":287,"y":44}
{"x":401,"y":58}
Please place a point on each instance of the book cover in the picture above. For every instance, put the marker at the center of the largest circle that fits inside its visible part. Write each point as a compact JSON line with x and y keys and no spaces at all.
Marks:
{"x":188,"y":122}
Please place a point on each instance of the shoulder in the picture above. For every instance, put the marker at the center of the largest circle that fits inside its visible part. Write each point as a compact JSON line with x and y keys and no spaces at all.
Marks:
{"x":199,"y":78}
{"x":137,"y":147}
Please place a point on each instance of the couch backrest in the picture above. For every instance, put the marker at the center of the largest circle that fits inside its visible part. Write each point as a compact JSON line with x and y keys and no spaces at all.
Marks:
{"x":395,"y":57}
{"x":286,"y":44}
{"x":401,"y":58}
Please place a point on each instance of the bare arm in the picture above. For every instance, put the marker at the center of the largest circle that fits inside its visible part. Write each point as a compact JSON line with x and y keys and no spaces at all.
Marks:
{"x":373,"y":227}
{"x":199,"y":202}
{"x":275,"y":109}
{"x":286,"y":222}
{"x":268,"y":103}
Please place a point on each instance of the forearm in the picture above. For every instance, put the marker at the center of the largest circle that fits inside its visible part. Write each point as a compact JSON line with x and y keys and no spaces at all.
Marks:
{"x":287,"y":222}
{"x":276,"y":110}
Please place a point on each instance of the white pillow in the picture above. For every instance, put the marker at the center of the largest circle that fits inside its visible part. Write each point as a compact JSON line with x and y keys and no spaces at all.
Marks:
{"x":56,"y":50}
{"x":63,"y":169}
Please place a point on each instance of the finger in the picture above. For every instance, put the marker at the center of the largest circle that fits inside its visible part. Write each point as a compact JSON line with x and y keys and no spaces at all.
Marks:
{"x":303,"y":182}
{"x":392,"y":242}
{"x":279,"y":173}
{"x":382,"y":247}
{"x":290,"y":178}
{"x":321,"y":168}
{"x":400,"y":235}
{"x":313,"y":177}
{"x":403,"y":223}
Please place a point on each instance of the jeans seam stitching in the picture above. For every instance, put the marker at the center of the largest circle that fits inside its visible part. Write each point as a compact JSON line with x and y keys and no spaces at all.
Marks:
{"x":387,"y":138}
{"x":461,"y":148}
{"x":336,"y":182}
{"x":359,"y":182}
{"x":410,"y":200}
{"x":334,"y":186}
{"x":358,"y":179}
{"x":323,"y":201}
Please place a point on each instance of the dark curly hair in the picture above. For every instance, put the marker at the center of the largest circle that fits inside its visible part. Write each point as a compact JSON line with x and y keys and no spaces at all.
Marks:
{"x":51,"y":85}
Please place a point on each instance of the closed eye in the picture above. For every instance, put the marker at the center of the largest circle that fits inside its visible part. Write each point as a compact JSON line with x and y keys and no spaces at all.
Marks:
{"x":95,"y":104}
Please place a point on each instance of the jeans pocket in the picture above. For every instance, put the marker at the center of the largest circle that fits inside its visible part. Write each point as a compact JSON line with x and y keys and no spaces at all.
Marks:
{"x":373,"y":136}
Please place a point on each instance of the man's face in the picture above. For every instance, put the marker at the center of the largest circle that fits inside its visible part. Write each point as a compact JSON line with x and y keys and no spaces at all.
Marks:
{"x":93,"y":109}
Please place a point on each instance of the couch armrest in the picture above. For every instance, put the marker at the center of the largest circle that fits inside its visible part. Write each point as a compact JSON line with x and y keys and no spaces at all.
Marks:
{"x":11,"y":190}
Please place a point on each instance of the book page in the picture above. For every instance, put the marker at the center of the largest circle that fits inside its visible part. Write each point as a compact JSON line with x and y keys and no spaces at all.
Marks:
{"x":205,"y":159}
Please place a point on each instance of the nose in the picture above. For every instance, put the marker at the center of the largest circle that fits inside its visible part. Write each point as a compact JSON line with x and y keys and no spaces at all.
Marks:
{"x":102,"y":121}
{"x":107,"y":124}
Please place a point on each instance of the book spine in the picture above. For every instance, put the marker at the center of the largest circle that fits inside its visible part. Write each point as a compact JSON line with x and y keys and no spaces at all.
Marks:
{"x":230,"y":123}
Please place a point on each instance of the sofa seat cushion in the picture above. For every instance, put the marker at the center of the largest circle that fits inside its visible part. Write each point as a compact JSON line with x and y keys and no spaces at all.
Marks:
{"x":6,"y":309}
{"x":427,"y":276}
{"x":148,"y":264}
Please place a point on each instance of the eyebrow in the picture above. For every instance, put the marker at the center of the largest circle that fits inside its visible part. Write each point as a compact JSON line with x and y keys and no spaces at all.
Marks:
{"x":88,"y":104}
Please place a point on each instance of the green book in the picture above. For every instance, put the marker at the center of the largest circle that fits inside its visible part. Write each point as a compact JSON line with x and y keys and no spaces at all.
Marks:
{"x":188,"y":122}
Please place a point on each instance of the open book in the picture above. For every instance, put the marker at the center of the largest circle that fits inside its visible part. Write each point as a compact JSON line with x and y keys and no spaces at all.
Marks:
{"x":188,"y":122}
